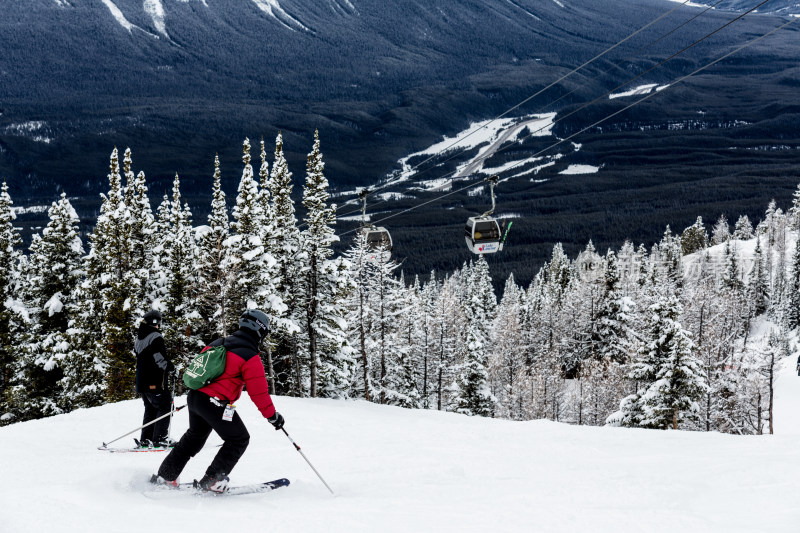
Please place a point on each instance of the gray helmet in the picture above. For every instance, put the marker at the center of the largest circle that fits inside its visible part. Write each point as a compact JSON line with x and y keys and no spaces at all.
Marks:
{"x":152,"y":318}
{"x":255,"y":320}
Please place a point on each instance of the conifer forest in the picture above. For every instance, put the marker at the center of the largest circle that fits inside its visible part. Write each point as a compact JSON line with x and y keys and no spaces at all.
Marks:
{"x":656,"y":338}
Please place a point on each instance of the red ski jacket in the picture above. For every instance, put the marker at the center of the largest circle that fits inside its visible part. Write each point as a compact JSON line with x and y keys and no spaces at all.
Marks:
{"x":243,"y":367}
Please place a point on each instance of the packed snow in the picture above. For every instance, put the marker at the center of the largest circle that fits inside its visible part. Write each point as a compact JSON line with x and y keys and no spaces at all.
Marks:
{"x":399,"y":470}
{"x":580,"y":169}
{"x":488,"y":135}
{"x":640,"y":90}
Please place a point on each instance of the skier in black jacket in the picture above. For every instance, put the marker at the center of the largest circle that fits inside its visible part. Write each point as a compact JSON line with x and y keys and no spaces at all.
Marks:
{"x":152,"y":369}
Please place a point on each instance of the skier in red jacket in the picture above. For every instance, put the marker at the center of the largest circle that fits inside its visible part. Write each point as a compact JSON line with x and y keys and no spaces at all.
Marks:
{"x":212,"y":407}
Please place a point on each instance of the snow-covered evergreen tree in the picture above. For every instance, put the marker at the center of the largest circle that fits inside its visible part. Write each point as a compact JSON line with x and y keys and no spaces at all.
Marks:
{"x":613,"y":317}
{"x":247,"y":248}
{"x":142,"y":241}
{"x":285,"y":247}
{"x":324,"y":328}
{"x":9,"y":294}
{"x":214,"y":279}
{"x":694,"y":237}
{"x":743,"y":230}
{"x":757,"y":285}
{"x":721,"y":231}
{"x":105,"y":321}
{"x":792,"y":313}
{"x":671,"y":377}
{"x":506,"y":358}
{"x":474,"y":396}
{"x":47,"y":360}
{"x":794,"y":211}
{"x":178,"y":255}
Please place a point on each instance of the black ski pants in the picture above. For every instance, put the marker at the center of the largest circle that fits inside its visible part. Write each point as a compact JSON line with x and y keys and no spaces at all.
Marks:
{"x":155,"y":405}
{"x":205,"y":414}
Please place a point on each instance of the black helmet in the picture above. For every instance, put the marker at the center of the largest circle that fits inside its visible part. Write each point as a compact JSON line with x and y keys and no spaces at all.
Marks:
{"x":152,"y":318}
{"x":255,"y":320}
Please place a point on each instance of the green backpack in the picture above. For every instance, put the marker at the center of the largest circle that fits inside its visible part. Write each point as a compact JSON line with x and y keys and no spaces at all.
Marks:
{"x":205,"y":367}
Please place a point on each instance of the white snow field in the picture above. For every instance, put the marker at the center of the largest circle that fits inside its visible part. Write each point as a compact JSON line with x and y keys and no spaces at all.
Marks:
{"x":397,"y":470}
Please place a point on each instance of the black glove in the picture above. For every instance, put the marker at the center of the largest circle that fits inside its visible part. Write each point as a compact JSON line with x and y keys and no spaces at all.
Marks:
{"x":170,"y":367}
{"x":276,"y":420}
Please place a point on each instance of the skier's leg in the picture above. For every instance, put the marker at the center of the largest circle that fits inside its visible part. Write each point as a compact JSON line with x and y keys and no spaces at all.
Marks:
{"x":192,"y":441}
{"x":162,"y":403}
{"x":149,"y":414}
{"x":235,"y":437}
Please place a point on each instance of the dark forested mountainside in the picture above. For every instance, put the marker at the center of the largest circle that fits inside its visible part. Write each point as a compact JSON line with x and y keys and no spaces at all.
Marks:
{"x":180,"y":81}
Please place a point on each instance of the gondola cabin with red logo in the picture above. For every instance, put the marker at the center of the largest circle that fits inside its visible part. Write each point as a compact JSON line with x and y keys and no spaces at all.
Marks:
{"x":483,"y":235}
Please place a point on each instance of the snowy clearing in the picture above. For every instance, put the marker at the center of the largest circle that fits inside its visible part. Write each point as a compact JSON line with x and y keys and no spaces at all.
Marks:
{"x":580,"y":169}
{"x":398,"y":470}
{"x":638,"y":91}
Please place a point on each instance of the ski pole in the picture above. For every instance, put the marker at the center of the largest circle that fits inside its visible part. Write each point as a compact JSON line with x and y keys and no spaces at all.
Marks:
{"x":172,"y":407}
{"x":105,"y":444}
{"x":306,"y":458}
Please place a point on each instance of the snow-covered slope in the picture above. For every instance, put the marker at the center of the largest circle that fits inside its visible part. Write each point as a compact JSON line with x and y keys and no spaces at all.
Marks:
{"x":407,"y":471}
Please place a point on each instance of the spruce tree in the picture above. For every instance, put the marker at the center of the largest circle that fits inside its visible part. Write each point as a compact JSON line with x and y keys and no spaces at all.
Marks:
{"x":247,"y":248}
{"x":506,"y":360}
{"x":106,"y":313}
{"x":613,"y":319}
{"x":794,"y":211}
{"x":142,"y":241}
{"x":473,"y":396}
{"x":9,"y":293}
{"x":178,"y":254}
{"x":694,"y":237}
{"x":46,"y":355}
{"x":792,"y":299}
{"x":324,"y":327}
{"x":757,"y":286}
{"x":213,"y":273}
{"x":671,"y":376}
{"x":285,"y":247}
{"x":721,"y":231}
{"x":743,"y":230}
{"x":359,"y":312}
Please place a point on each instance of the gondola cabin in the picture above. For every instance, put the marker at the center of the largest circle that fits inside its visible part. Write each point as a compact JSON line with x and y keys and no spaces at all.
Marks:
{"x":483,"y":235}
{"x":378,"y":238}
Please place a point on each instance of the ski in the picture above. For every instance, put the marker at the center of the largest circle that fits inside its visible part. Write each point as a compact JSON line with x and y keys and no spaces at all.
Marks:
{"x":137,"y":449}
{"x":254,"y":488}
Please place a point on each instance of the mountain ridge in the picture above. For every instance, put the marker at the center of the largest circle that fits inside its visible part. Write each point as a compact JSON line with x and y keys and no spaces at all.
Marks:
{"x":382,"y":81}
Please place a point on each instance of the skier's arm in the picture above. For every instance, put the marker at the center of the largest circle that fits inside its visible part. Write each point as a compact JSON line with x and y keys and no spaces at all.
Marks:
{"x":160,"y":355}
{"x":255,"y":380}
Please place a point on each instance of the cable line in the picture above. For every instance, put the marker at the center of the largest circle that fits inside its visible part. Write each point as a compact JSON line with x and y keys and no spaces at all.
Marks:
{"x":562,"y":78}
{"x":622,"y":110}
{"x":611,"y":91}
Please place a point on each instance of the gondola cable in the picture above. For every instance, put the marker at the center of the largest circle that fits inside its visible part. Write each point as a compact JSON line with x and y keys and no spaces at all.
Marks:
{"x":551,"y":85}
{"x":645,"y":97}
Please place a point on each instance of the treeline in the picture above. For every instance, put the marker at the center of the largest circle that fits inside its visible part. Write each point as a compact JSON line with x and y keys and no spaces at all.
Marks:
{"x":650,"y":338}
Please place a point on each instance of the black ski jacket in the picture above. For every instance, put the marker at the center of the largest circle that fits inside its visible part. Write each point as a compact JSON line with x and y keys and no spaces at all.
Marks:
{"x":152,"y":364}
